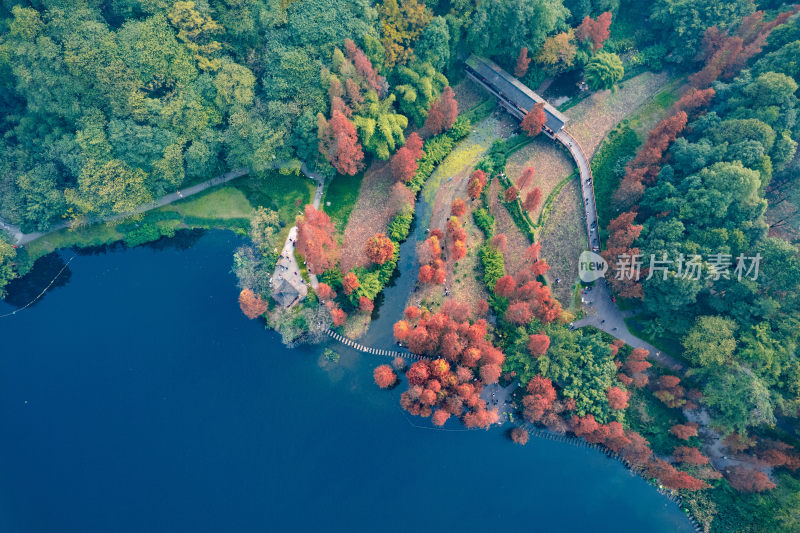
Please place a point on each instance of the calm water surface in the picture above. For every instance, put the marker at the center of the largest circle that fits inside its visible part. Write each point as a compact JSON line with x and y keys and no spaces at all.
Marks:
{"x":137,"y":398}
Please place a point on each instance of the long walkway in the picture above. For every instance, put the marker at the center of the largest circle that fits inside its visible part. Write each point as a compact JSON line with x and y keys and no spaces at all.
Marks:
{"x":587,"y":188}
{"x":347,"y":341}
{"x":21,"y":238}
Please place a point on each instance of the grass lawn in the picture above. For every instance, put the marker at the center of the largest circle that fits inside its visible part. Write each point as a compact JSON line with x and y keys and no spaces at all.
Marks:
{"x":341,"y":193}
{"x":94,"y":235}
{"x":620,"y":144}
{"x":286,"y":194}
{"x":226,"y":202}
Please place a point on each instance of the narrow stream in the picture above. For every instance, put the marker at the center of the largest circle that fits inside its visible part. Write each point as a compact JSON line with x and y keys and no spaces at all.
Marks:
{"x":392,"y":302}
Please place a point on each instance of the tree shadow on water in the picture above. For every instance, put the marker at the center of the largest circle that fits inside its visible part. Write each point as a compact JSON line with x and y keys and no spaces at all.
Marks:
{"x":22,"y":291}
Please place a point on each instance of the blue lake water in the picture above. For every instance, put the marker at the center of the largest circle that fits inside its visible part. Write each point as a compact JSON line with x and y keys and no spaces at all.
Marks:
{"x":137,"y":398}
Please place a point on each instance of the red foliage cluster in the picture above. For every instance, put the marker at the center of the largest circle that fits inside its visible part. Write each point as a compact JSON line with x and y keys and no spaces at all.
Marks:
{"x":316,"y":241}
{"x":634,"y":368}
{"x":528,"y":298}
{"x":430,"y":257}
{"x":442,"y":112}
{"x":532,"y":252}
{"x":534,"y":120}
{"x":684,"y":431}
{"x":457,"y":238}
{"x":339,"y":316}
{"x":379,"y":249}
{"x":526,"y":178}
{"x":365,"y":305}
{"x":404,"y":161}
{"x":622,"y":232}
{"x":435,"y":390}
{"x":338,"y":142}
{"x":538,"y":344}
{"x":477,"y":181}
{"x":644,"y":168}
{"x":251,"y":304}
{"x":689,"y":455}
{"x":617,"y":398}
{"x":384,"y":376}
{"x":523,"y":62}
{"x":450,"y":335}
{"x":458,"y":208}
{"x":520,"y":436}
{"x":364,"y":67}
{"x":672,"y":478}
{"x":726,"y":54}
{"x":596,"y":31}
{"x":635,"y":449}
{"x":746,"y":479}
{"x":777,"y":454}
{"x":324,"y":292}
{"x":533,"y":199}
{"x":511,"y":194}
{"x":499,"y":242}
{"x":540,"y":405}
{"x":669,"y":391}
{"x":350,"y":283}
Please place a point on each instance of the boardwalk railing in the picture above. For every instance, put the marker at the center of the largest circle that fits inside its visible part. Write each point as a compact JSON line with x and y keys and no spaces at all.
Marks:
{"x":374,"y":351}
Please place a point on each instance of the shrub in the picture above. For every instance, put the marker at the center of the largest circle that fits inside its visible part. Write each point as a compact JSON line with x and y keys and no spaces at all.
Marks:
{"x":400,"y":226}
{"x":494,"y":266}
{"x":484,"y":220}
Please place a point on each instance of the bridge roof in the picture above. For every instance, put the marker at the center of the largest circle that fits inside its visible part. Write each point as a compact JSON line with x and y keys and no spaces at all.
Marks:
{"x":514,"y":90}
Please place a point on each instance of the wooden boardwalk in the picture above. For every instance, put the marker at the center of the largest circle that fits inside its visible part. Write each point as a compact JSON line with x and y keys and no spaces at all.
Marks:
{"x":374,"y":351}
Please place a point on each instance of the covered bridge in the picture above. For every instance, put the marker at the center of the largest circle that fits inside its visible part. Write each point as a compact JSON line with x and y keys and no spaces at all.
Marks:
{"x":512,"y":94}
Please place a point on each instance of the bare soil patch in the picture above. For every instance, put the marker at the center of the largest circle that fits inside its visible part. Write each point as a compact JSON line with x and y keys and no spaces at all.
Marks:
{"x":563,"y":239}
{"x":516,"y":241}
{"x":369,"y":216}
{"x":550,"y":163}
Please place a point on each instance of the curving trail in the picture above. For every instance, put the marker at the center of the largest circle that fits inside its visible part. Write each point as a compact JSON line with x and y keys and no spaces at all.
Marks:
{"x":21,"y":238}
{"x":587,"y":187}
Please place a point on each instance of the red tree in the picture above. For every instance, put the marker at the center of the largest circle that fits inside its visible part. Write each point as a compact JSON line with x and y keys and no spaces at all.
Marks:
{"x":315,"y":240}
{"x":511,"y":194}
{"x":532,"y":252}
{"x":414,"y":144}
{"x":401,"y":330}
{"x":324,"y":292}
{"x":518,"y":313}
{"x":596,"y":31}
{"x":519,"y":435}
{"x":365,"y":305}
{"x":684,"y":431}
{"x":384,"y":376}
{"x":425,"y":274}
{"x":523,"y":61}
{"x":412,"y":313}
{"x":617,"y":398}
{"x":499,"y":242}
{"x":338,"y":142}
{"x":746,"y":479}
{"x":404,"y":165}
{"x":379,"y":249}
{"x":526,"y":178}
{"x":339,"y":316}
{"x":534,"y":120}
{"x":458,"y":207}
{"x":476,"y":183}
{"x":533,"y":199}
{"x":350,"y":283}
{"x":419,"y":373}
{"x":490,"y":373}
{"x":439,"y":417}
{"x":539,"y":400}
{"x":449,"y":107}
{"x":538,"y":344}
{"x":689,"y":455}
{"x":251,"y":304}
{"x":638,"y":451}
{"x":364,"y":67}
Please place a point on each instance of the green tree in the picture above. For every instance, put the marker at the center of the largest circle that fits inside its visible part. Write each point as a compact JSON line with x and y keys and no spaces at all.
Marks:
{"x":603,"y":71}
{"x":710,"y":342}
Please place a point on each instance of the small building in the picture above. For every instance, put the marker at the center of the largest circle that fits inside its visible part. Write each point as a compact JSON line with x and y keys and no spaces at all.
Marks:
{"x":288,"y":291}
{"x":512,"y":94}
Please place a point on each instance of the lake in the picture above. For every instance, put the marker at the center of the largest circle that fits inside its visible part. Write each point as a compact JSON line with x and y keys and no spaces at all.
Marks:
{"x":136,"y":397}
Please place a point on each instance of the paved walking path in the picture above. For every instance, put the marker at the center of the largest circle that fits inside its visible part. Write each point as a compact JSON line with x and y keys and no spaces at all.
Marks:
{"x":587,"y":187}
{"x":21,"y":238}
